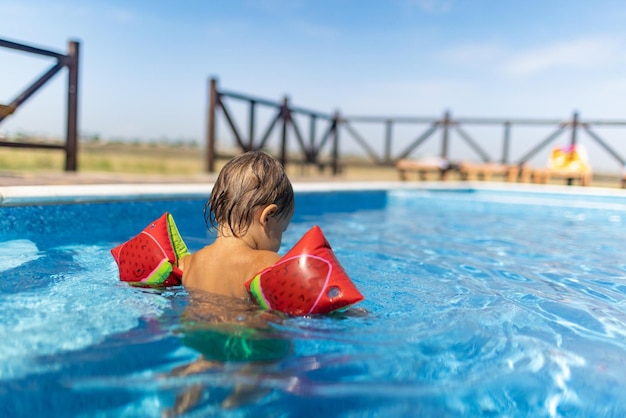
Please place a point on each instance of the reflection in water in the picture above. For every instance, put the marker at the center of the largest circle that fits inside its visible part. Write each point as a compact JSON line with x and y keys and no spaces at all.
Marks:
{"x":227,"y":330}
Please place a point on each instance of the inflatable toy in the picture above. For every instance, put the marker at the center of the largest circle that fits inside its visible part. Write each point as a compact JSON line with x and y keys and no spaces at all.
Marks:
{"x":307,"y":280}
{"x":151,"y":257}
{"x":569,"y":158}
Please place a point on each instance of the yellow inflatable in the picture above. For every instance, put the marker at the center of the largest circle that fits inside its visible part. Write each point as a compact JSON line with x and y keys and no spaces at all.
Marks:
{"x":571,"y":158}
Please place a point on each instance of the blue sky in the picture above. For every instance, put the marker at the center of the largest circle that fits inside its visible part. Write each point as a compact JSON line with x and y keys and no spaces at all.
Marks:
{"x":145,"y":64}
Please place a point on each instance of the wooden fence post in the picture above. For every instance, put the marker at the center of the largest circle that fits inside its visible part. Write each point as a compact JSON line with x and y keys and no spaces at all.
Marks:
{"x":210,"y":142}
{"x":507,"y":142}
{"x":284,"y":114}
{"x":251,"y":126}
{"x":71,"y":142}
{"x":388,"y":136}
{"x":445,"y":137}
{"x":335,"y":149}
{"x":574,"y":127}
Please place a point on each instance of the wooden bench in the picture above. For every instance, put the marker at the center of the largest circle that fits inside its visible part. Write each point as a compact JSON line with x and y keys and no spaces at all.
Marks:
{"x":544,"y":175}
{"x":423,"y":168}
{"x":471,"y":171}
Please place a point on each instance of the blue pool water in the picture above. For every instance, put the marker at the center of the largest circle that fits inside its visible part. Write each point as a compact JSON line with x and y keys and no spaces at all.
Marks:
{"x":478,"y":303}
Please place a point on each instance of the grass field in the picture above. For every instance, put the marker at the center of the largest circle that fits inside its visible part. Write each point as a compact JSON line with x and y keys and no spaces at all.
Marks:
{"x":153,"y":159}
{"x":110,"y":158}
{"x":184,"y":161}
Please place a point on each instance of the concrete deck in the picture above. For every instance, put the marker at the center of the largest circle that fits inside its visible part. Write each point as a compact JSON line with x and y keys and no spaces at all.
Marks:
{"x":66,"y":178}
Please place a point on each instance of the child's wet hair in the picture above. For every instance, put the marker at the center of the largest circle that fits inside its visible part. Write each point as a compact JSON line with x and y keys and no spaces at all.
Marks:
{"x":246,"y":183}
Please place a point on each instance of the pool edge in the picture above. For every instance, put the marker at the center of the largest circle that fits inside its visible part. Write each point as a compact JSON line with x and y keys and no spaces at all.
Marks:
{"x":90,"y":193}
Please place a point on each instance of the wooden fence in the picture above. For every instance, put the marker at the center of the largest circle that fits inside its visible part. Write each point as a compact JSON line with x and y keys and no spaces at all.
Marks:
{"x":69,"y":61}
{"x":310,"y":148}
{"x":283,"y":119}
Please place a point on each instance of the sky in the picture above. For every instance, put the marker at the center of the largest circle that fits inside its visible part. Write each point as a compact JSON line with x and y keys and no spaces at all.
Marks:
{"x":145,"y":64}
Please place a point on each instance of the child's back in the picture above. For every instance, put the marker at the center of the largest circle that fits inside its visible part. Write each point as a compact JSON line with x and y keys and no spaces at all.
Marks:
{"x":251,"y":205}
{"x":223,"y":269}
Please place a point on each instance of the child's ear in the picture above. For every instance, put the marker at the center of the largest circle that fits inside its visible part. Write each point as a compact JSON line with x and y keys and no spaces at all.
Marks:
{"x":268,"y":212}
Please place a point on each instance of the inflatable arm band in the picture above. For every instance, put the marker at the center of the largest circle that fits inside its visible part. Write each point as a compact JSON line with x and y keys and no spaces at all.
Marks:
{"x":307,"y":280}
{"x":151,"y":257}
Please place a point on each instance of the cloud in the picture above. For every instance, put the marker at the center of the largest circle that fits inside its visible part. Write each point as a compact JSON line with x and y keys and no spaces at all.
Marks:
{"x":506,"y":60}
{"x":582,"y":53}
{"x":478,"y":55}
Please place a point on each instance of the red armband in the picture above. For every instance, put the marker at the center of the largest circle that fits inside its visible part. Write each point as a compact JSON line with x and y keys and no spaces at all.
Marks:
{"x":306,"y":280}
{"x":151,"y":257}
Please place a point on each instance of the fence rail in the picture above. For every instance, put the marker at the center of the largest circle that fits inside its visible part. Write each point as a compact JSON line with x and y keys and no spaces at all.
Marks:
{"x":445,"y":126}
{"x":283,"y":119}
{"x":69,"y":61}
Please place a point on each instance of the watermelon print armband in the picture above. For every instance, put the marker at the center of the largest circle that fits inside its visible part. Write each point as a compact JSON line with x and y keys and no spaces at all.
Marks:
{"x":151,"y":257}
{"x":307,"y":280}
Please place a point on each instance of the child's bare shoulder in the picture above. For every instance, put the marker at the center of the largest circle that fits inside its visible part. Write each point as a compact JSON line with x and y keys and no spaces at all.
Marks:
{"x":210,"y":269}
{"x":264,"y":259}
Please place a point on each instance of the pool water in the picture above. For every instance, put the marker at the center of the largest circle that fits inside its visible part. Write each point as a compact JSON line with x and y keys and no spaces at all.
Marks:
{"x":478,"y":303}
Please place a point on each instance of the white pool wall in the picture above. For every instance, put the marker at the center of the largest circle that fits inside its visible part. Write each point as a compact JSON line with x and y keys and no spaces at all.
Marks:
{"x":85,"y":193}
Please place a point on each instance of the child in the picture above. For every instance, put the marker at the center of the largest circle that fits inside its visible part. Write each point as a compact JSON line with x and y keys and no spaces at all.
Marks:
{"x":251,"y":205}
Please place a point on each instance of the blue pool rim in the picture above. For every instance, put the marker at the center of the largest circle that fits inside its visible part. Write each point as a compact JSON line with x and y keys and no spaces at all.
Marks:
{"x":90,"y":193}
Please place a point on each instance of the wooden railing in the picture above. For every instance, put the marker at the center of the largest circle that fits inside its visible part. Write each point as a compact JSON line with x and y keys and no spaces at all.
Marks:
{"x":69,"y":61}
{"x":446,"y":126}
{"x":284,"y":119}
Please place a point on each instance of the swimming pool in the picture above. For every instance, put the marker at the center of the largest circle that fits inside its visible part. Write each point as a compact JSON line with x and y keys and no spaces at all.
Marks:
{"x":480,"y":301}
